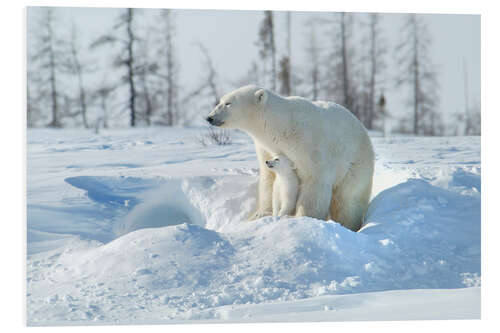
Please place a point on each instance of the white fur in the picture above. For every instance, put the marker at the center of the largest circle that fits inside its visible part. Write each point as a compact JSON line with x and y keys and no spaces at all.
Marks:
{"x":285,"y":187}
{"x":329,"y":147}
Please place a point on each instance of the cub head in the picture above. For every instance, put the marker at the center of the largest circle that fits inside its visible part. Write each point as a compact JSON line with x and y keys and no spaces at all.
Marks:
{"x":236,"y":109}
{"x":280,"y":163}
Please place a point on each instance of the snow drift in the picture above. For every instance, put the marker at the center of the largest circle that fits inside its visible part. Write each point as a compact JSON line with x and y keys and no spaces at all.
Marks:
{"x":130,"y":248}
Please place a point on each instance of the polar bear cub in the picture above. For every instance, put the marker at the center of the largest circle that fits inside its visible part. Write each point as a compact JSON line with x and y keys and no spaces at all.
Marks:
{"x":286,"y":185}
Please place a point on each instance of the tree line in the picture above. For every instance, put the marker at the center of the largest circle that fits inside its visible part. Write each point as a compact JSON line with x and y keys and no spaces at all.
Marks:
{"x":146,"y":86}
{"x":338,"y":67}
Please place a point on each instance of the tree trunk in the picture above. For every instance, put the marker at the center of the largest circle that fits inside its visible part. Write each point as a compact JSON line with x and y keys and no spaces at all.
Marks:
{"x":466,"y":95}
{"x":345,"y":78}
{"x":130,"y":67}
{"x":147,"y":98}
{"x":273,"y":50}
{"x":287,"y":81}
{"x":373,"y":73}
{"x":416,"y":82}
{"x":170,"y":69}
{"x":82,"y":95}
{"x":83,"y":103}
{"x":52,"y":78}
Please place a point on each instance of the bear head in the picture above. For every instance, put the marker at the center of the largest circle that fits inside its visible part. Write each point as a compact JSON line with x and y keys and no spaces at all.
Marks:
{"x":237,"y":108}
{"x":280,"y":164}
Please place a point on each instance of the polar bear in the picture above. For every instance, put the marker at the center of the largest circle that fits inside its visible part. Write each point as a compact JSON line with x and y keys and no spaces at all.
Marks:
{"x":285,"y":187}
{"x":327,"y":144}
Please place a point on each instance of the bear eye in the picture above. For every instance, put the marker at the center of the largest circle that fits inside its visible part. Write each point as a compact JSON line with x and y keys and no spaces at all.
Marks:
{"x":227,"y":104}
{"x":277,"y":160}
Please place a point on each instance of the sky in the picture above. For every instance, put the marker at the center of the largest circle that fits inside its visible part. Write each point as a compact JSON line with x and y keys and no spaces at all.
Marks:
{"x":230,"y":36}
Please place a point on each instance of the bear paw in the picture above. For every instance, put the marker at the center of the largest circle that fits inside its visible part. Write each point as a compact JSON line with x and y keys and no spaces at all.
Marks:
{"x":257,"y":215}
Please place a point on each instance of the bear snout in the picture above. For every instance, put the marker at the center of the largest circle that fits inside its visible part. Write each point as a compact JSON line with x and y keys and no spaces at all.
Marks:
{"x":212,"y":120}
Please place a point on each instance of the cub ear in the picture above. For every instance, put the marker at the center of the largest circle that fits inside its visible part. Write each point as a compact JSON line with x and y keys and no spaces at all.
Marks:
{"x":260,"y":97}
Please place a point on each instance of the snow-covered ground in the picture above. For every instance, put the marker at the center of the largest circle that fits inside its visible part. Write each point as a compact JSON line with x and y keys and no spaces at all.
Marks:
{"x":149,"y":226}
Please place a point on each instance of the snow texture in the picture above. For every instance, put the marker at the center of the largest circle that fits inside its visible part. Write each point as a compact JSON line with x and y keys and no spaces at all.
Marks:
{"x":149,"y":226}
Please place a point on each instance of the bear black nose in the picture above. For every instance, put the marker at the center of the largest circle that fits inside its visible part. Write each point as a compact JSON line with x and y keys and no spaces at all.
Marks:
{"x":210,"y":120}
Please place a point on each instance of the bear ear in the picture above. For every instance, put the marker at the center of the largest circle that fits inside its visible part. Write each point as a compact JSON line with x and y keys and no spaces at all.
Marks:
{"x":260,"y":97}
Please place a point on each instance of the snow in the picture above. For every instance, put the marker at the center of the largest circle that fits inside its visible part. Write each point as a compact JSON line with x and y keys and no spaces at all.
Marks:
{"x":149,"y":226}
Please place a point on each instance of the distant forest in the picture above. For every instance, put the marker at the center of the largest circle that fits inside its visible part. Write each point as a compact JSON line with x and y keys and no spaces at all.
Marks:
{"x":143,"y":83}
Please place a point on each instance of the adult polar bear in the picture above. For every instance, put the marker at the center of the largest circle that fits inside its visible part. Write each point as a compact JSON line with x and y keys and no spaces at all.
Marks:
{"x":330,"y":148}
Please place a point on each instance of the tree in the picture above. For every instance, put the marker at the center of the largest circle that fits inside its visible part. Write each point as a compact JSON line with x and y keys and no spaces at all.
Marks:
{"x":472,"y":114}
{"x":475,"y":119}
{"x":376,"y":63}
{"x":381,"y":107}
{"x":102,"y":95}
{"x":168,"y":72}
{"x":124,"y":34}
{"x":285,"y":62}
{"x":33,"y":99}
{"x":313,"y":52}
{"x":341,"y":85}
{"x":209,"y":82}
{"x":345,"y":73}
{"x":284,"y":76}
{"x":211,"y":75}
{"x":419,"y":74}
{"x":76,"y":67}
{"x":146,"y":68}
{"x":45,"y":65}
{"x":267,"y":48}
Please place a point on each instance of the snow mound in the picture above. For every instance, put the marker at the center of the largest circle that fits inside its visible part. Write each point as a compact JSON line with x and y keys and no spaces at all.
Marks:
{"x":202,"y":254}
{"x":163,"y":237}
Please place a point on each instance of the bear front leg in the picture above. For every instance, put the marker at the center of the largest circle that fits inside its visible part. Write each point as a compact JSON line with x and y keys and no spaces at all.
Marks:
{"x":288,"y":204}
{"x":266,"y":181}
{"x":314,"y":199}
{"x":276,"y":199}
{"x":287,"y":210}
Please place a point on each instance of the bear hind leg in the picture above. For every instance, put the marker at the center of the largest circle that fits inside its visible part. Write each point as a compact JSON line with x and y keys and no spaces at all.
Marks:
{"x":314,"y":199}
{"x":350,"y":201}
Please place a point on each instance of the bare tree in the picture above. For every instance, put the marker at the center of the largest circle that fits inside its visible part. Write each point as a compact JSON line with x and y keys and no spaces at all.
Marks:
{"x":34,"y":97}
{"x":146,"y":68}
{"x":211,"y":74}
{"x":468,"y":123}
{"x":285,"y":74}
{"x":168,"y":67}
{"x":267,"y":47}
{"x":418,"y":73}
{"x":76,"y":67}
{"x":209,"y":87}
{"x":376,"y":60}
{"x":129,"y":62}
{"x":102,"y":96}
{"x":472,"y":113}
{"x":475,"y":119}
{"x":124,"y":34}
{"x":471,"y":117}
{"x":313,"y":52}
{"x":341,"y":84}
{"x":381,"y":106}
{"x":345,"y":66}
{"x":46,"y":58}
{"x":209,"y":83}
